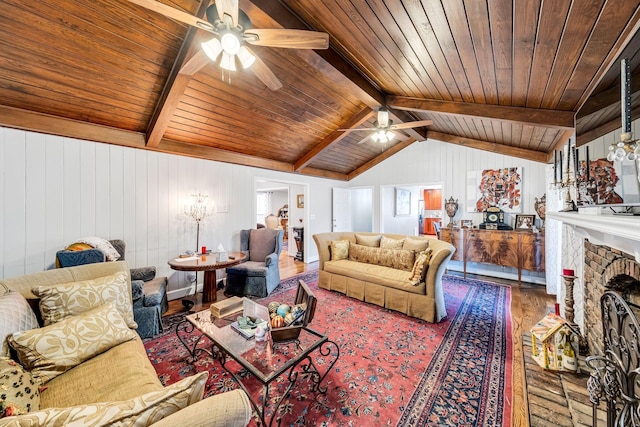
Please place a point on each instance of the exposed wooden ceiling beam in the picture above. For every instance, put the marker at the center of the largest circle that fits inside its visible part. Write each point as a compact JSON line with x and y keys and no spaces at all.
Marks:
{"x":218,"y":155}
{"x":362,"y":88}
{"x":529,"y":116}
{"x":176,"y":83}
{"x":404,"y":117}
{"x":633,"y":25}
{"x":55,"y":125}
{"x":603,"y":129}
{"x":333,"y":138}
{"x":321,"y":173}
{"x":381,"y":158}
{"x":523,"y":153}
{"x":607,"y":98}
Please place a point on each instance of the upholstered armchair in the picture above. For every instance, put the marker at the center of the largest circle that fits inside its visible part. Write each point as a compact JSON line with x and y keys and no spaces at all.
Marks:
{"x":260,"y":274}
{"x":149,"y":293}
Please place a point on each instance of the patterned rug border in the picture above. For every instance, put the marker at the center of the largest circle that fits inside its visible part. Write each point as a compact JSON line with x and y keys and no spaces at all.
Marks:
{"x":425,"y":396}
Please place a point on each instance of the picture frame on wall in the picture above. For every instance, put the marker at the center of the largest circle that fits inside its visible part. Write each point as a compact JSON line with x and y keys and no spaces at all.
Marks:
{"x":524,"y":222}
{"x":300,"y":201}
{"x":403,"y":202}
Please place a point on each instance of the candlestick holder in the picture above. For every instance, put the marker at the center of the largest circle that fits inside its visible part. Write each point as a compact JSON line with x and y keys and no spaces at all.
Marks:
{"x":567,"y":184}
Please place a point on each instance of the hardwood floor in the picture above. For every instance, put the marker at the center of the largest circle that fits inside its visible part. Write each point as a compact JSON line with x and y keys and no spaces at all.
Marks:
{"x":529,"y":303}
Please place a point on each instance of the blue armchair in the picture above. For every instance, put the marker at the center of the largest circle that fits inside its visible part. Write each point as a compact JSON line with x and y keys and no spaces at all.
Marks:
{"x":149,"y":293}
{"x":260,"y":274}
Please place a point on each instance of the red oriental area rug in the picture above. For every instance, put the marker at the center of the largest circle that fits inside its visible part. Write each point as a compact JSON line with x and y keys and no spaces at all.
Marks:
{"x":392,"y":369}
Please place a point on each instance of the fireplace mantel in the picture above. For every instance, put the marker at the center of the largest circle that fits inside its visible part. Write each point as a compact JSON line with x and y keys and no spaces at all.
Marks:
{"x":617,"y":231}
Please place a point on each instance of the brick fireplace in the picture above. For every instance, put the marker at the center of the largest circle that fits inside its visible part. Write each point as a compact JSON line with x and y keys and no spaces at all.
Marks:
{"x":606,"y":268}
{"x":604,"y":251}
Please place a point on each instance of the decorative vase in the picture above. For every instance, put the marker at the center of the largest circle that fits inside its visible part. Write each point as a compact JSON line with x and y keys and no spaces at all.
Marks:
{"x":451,"y":207}
{"x":540,"y":207}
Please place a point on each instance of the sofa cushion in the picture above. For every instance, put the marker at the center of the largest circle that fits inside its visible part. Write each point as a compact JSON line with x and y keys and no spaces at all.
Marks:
{"x":143,"y":410}
{"x":389,"y":243}
{"x":68,"y":299}
{"x":15,"y":315}
{"x":339,"y":249}
{"x":19,"y":391}
{"x":120,"y":373}
{"x":377,"y":274}
{"x":49,"y":351}
{"x":395,"y":258}
{"x":364,"y":240}
{"x":262,"y":242}
{"x":413,"y":244}
{"x":250,"y":269}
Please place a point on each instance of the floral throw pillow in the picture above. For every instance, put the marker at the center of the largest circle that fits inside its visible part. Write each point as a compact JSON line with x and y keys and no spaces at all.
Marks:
{"x":339,"y":250}
{"x":52,"y":350}
{"x":68,"y":299}
{"x":19,"y":391}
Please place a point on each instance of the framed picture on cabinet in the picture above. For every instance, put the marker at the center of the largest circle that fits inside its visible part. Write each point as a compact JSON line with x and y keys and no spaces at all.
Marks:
{"x":466,"y":223}
{"x":524,"y":222}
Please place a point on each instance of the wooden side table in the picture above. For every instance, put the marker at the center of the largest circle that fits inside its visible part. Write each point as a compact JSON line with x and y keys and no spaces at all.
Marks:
{"x":209,"y":265}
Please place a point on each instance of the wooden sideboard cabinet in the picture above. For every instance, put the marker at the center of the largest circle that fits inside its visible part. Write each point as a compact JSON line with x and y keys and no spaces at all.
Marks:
{"x":523,"y":250}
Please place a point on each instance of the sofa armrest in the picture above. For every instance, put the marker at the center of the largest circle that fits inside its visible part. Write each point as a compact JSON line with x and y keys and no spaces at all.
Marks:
{"x":442,"y":253}
{"x":226,"y":409}
{"x":143,"y":273}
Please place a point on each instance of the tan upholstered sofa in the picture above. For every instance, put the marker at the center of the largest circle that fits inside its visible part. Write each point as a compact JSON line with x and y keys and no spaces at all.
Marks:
{"x":120,"y":384}
{"x":392,"y":286}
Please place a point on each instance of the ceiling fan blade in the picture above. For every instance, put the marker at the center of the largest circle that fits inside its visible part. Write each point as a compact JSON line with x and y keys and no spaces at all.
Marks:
{"x":358,"y":129}
{"x":288,"y":39}
{"x":175,"y":14}
{"x":264,"y":73}
{"x":363,"y":140}
{"x":229,"y":8}
{"x":408,"y":125}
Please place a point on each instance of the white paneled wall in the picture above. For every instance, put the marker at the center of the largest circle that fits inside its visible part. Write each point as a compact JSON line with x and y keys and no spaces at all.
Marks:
{"x":54,"y":190}
{"x":433,"y":161}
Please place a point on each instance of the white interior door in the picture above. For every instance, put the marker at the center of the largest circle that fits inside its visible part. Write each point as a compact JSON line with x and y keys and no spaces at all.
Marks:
{"x":341,"y":209}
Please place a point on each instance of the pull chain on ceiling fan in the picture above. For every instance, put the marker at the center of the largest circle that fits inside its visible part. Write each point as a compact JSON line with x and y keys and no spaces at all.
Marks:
{"x":233,"y":30}
{"x":384,"y":127}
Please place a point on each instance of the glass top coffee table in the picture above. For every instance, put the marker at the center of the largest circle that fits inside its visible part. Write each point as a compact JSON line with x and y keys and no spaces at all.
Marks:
{"x":265,"y":360}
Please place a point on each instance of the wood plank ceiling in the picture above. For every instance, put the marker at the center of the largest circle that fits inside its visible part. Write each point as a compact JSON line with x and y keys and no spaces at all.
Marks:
{"x":507,"y":76}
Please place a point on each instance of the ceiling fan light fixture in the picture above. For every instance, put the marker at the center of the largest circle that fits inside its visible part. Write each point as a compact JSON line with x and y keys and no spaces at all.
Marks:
{"x":245,"y":57}
{"x":230,"y":43}
{"x":228,"y":62}
{"x":382,"y":136}
{"x":212,"y":48}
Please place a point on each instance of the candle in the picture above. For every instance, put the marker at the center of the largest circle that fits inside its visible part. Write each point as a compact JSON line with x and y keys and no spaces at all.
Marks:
{"x":557,"y":309}
{"x":204,"y":250}
{"x":555,"y":165}
{"x":567,"y":272}
{"x":560,"y":165}
{"x":588,"y":164}
{"x":568,"y":155}
{"x":577,"y":163}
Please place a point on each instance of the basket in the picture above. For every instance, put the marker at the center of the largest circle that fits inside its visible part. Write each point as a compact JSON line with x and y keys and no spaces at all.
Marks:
{"x":291,"y":333}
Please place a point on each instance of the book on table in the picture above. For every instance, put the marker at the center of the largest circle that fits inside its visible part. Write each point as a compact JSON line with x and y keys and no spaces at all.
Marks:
{"x":227,"y":307}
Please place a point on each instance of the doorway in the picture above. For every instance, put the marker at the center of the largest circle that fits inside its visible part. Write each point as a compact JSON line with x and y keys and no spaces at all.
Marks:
{"x":286,"y":201}
{"x":431,"y":210}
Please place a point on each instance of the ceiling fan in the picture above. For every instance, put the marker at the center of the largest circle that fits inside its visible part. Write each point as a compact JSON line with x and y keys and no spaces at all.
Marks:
{"x":232,"y":28}
{"x":384,"y":127}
